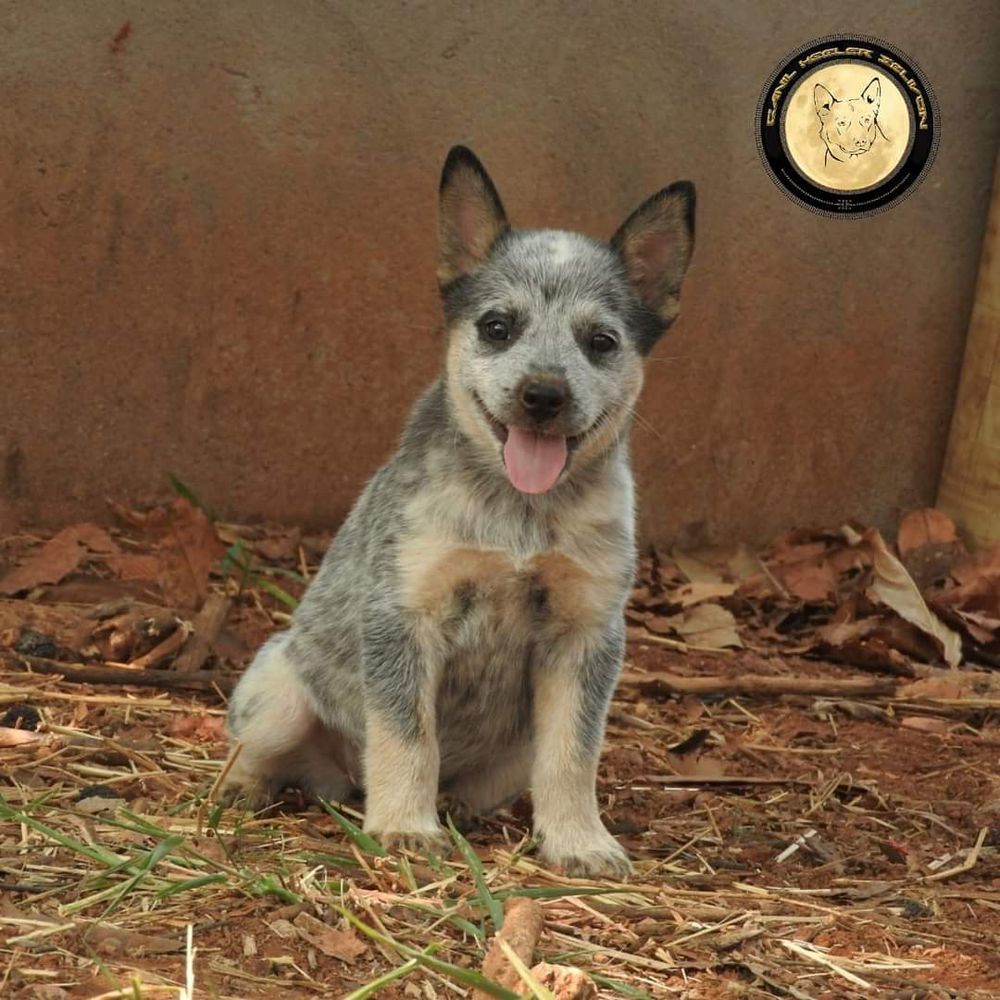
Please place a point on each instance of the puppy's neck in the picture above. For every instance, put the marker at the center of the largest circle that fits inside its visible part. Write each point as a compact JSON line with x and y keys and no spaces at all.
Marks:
{"x":468,"y":492}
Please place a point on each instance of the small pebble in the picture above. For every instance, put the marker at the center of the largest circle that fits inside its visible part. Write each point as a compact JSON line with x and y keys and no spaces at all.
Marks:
{"x":33,"y":643}
{"x":21,"y":717}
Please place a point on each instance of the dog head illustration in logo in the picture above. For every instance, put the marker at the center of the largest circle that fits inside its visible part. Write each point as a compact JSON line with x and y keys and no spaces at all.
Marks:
{"x":849,"y":128}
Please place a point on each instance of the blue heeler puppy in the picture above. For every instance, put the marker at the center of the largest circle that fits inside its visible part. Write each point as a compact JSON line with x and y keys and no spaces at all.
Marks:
{"x":464,"y":633}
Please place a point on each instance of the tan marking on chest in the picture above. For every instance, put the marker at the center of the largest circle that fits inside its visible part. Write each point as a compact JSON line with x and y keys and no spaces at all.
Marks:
{"x":575,"y":596}
{"x":434,"y":574}
{"x":438,"y":580}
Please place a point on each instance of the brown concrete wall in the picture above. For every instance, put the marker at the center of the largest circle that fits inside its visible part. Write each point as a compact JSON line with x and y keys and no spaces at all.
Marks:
{"x":217,"y":245}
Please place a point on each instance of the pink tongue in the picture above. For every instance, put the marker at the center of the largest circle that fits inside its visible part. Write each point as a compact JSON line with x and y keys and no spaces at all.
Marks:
{"x":533,"y":461}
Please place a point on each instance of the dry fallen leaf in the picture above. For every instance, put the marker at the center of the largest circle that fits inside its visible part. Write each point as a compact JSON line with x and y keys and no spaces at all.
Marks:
{"x":707,"y":625}
{"x":136,"y":566}
{"x":952,"y":686}
{"x":928,"y":546}
{"x":980,"y":565}
{"x":58,"y":557}
{"x":804,"y":569}
{"x":926,"y":526}
{"x":206,"y":728}
{"x":840,"y":633}
{"x":695,"y":569}
{"x":878,"y":633}
{"x":694,"y":593}
{"x":894,"y":587}
{"x":787,"y":552}
{"x":660,"y":624}
{"x":110,"y":940}
{"x":343,"y":945}
{"x":872,"y":653}
{"x":925,"y":724}
{"x":692,"y":766}
{"x":978,"y":579}
{"x":813,"y":580}
{"x":189,"y":547}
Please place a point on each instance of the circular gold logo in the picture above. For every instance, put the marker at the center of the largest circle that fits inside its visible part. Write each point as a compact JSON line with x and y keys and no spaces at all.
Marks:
{"x":847,"y":126}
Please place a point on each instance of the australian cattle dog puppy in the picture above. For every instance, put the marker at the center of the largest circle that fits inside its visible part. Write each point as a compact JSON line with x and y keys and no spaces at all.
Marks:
{"x":465,"y":632}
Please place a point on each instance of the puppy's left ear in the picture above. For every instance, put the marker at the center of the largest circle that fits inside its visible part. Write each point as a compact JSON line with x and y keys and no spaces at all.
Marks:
{"x":655,"y":242}
{"x":471,"y":215}
{"x":873,"y":93}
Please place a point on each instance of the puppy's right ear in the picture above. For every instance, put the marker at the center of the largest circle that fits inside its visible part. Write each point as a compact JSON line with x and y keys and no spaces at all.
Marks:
{"x":823,"y":100}
{"x":471,"y":215}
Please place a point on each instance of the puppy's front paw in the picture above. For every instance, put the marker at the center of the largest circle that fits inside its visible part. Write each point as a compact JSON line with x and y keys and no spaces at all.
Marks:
{"x":588,"y":856}
{"x":422,"y":842}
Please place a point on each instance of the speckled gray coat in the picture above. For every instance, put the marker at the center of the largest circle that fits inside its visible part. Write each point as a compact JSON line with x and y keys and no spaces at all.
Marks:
{"x":462,"y":635}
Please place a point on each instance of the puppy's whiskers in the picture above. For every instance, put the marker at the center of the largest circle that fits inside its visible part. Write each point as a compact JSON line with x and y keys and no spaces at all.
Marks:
{"x":644,"y":423}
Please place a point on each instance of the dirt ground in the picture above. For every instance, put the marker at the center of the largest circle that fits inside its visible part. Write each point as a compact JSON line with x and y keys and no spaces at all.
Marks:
{"x":800,"y":827}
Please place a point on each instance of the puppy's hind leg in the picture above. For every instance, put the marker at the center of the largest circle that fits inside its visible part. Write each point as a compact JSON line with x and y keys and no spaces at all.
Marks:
{"x":282,"y":740}
{"x":483,"y":790}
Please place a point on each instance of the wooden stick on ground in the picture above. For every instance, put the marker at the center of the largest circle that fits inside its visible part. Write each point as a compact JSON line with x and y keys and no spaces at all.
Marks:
{"x":522,"y":925}
{"x":207,"y":626}
{"x":162,"y":652}
{"x":661,"y":682}
{"x":201,"y":680}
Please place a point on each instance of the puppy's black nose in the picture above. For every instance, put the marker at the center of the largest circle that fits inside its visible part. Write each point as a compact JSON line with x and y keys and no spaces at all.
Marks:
{"x":543,"y":400}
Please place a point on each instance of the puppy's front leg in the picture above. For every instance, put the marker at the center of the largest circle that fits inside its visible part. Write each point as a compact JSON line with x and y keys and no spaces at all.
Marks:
{"x":402,"y":668}
{"x":573,"y":685}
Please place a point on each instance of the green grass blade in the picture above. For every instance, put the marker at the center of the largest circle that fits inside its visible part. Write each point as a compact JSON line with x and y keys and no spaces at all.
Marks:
{"x":265,"y":885}
{"x":622,"y":989}
{"x":390,"y":977}
{"x":106,"y":858}
{"x":191,"y":883}
{"x":473,"y":930}
{"x":363,"y":841}
{"x":237,"y":557}
{"x":155,"y":856}
{"x":466,"y":977}
{"x":277,"y":592}
{"x":489,"y":901}
{"x":289,"y":574}
{"x":182,"y":489}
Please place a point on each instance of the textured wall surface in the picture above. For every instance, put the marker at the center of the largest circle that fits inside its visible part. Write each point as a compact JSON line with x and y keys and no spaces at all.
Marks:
{"x":217,"y":242}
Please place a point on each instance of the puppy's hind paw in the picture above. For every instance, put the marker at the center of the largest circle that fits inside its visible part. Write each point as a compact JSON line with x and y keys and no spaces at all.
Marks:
{"x":463,"y":816}
{"x":251,"y":795}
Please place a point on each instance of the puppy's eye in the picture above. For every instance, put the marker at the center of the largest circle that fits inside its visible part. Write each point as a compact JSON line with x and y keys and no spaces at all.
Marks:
{"x":495,"y":328}
{"x":603,"y":342}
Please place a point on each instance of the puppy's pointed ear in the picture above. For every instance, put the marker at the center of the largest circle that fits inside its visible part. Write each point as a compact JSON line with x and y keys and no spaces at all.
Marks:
{"x":873,"y":93}
{"x":823,"y":100}
{"x":471,"y":215}
{"x":655,"y":242}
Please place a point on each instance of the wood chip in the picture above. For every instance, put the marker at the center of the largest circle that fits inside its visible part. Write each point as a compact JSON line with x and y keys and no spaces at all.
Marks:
{"x":522,"y":925}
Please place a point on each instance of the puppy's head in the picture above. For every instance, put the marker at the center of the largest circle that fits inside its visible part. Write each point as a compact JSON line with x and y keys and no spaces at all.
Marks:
{"x":848,"y":127}
{"x":548,"y":329}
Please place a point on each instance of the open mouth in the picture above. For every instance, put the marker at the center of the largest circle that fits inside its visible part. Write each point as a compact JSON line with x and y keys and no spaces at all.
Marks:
{"x":501,"y":431}
{"x":534,"y":461}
